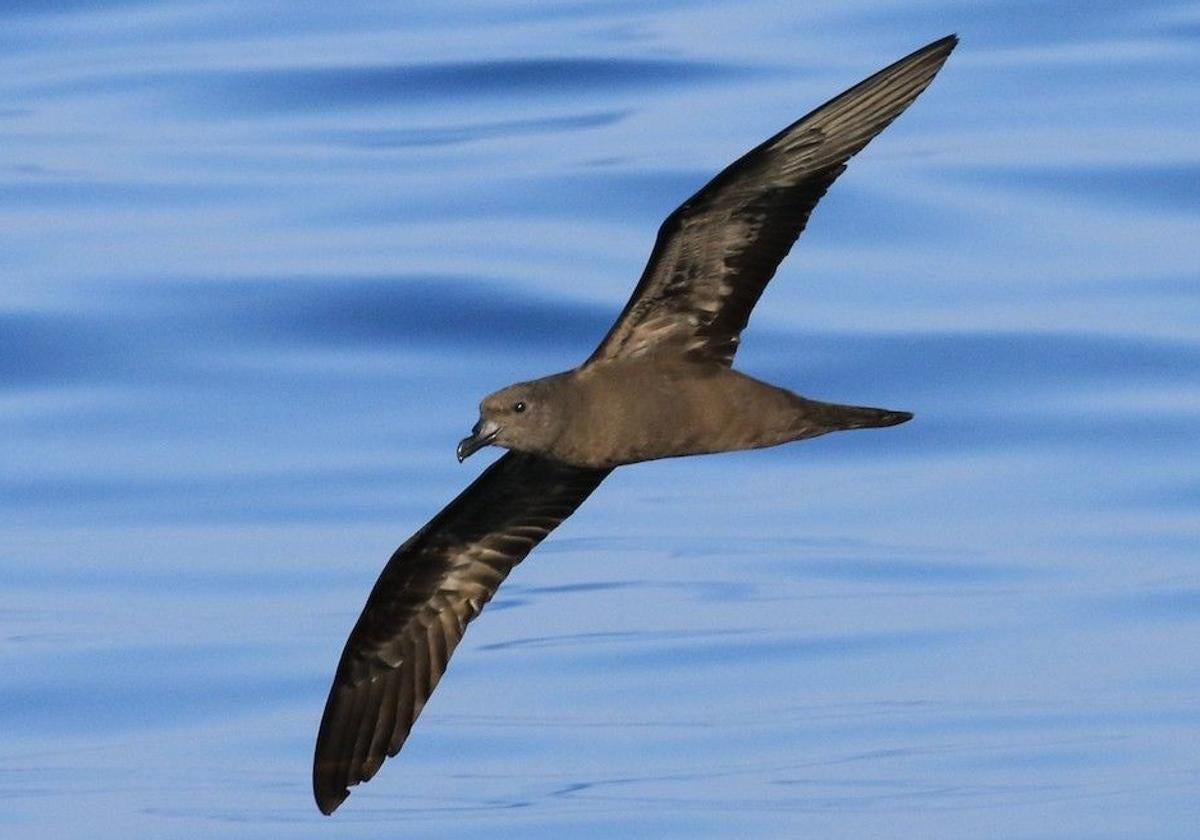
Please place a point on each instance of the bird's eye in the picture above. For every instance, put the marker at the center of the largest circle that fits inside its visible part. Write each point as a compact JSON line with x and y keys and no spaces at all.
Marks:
{"x":519,"y":407}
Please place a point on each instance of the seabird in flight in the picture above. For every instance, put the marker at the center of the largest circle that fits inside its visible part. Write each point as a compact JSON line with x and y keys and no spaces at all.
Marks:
{"x":660,"y":385}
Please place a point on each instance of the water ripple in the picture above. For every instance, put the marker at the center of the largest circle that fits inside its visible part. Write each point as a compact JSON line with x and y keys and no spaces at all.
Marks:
{"x":448,"y":135}
{"x":268,"y":92}
{"x":1162,"y":187}
{"x":1178,"y":604}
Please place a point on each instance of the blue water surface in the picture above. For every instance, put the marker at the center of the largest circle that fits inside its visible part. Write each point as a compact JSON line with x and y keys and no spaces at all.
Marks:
{"x":259,"y":261}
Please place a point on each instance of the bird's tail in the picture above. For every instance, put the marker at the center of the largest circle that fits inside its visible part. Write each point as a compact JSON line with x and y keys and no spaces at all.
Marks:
{"x":817,"y":418}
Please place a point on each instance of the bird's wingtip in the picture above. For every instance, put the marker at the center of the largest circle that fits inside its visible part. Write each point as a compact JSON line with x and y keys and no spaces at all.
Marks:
{"x":942,"y":47}
{"x":329,"y":800}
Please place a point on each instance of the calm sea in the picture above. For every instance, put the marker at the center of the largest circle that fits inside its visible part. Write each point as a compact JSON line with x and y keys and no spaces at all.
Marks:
{"x":259,"y":261}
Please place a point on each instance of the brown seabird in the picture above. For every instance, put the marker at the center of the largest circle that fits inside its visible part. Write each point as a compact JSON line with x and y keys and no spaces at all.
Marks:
{"x":659,"y":385}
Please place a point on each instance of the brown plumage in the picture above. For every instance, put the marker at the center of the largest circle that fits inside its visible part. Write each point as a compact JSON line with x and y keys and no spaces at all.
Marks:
{"x":659,"y":385}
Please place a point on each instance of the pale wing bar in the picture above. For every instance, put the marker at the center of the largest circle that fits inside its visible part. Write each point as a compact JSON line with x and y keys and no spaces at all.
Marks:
{"x":716,"y":253}
{"x":432,"y":587}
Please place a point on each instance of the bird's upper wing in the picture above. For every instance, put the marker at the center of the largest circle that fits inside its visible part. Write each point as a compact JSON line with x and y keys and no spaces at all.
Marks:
{"x":716,"y":253}
{"x":432,"y":587}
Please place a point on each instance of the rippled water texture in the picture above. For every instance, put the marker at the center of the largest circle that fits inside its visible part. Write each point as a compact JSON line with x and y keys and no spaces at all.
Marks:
{"x":258,"y":261}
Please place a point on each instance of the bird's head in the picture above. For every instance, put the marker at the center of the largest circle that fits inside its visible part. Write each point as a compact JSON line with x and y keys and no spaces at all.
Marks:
{"x":520,"y":417}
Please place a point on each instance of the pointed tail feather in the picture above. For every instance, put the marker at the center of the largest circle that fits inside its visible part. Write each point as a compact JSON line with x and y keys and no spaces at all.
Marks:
{"x":817,"y":418}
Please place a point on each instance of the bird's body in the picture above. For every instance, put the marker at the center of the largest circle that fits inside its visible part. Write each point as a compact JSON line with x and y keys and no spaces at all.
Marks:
{"x":659,"y":385}
{"x":623,"y":411}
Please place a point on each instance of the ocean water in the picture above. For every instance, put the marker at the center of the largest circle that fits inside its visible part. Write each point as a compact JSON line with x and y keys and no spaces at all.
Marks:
{"x":259,"y":261}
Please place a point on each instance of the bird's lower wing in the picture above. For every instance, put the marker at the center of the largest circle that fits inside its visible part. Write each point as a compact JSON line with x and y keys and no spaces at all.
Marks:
{"x":432,"y":587}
